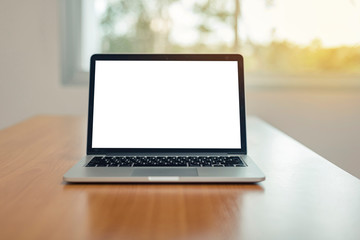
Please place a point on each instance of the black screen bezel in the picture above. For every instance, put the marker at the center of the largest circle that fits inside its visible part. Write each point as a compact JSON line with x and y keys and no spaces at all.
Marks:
{"x":167,"y":57}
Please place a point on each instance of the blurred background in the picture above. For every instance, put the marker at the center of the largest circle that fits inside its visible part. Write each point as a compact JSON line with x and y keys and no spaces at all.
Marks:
{"x":302,"y":57}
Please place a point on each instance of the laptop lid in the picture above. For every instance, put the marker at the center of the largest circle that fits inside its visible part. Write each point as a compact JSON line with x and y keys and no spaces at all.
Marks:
{"x":166,"y":103}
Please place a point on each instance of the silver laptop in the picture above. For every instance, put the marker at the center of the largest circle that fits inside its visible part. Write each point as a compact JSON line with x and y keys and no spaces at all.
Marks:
{"x":166,"y":118}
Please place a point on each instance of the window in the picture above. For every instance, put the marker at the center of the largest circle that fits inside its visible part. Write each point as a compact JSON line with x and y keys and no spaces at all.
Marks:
{"x":284,"y":42}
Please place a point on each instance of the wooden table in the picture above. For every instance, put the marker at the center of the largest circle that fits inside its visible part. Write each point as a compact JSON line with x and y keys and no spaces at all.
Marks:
{"x":303,"y":197}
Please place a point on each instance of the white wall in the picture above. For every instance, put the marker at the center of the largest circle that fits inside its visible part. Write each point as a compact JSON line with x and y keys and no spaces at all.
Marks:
{"x":30,"y":63}
{"x":327,"y":121}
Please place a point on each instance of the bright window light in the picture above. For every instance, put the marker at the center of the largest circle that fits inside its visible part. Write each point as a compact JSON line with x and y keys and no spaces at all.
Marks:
{"x":276,"y":37}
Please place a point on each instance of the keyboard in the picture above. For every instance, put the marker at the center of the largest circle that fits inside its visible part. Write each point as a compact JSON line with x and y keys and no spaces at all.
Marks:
{"x":166,"y":161}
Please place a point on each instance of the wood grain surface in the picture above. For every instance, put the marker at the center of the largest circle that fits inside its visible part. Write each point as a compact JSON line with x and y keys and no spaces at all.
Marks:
{"x":303,"y":197}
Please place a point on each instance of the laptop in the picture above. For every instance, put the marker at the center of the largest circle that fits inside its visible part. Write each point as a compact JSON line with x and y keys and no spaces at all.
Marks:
{"x":166,"y":118}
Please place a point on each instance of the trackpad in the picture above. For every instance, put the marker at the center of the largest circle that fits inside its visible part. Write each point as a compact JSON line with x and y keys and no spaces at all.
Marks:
{"x":146,"y":172}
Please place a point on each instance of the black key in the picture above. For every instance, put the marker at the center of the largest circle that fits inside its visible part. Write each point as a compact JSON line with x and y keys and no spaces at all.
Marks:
{"x":142,"y":165}
{"x":229,"y":165}
{"x":124,"y":164}
{"x":235,"y":159}
{"x":206,"y":164}
{"x":218,"y":165}
{"x":113,"y":165}
{"x":103,"y":164}
{"x":194,"y":165}
{"x":177,"y":164}
{"x":90,"y":164}
{"x":239,"y":165}
{"x":96,"y":159}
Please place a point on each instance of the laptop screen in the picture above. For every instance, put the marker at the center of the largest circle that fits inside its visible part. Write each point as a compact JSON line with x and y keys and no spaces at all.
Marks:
{"x":166,"y":104}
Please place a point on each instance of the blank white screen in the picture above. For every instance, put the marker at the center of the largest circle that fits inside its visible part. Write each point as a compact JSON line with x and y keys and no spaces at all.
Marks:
{"x":166,"y":104}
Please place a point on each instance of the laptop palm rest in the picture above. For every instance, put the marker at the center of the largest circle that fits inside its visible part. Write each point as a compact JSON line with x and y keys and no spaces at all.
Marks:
{"x":164,"y":172}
